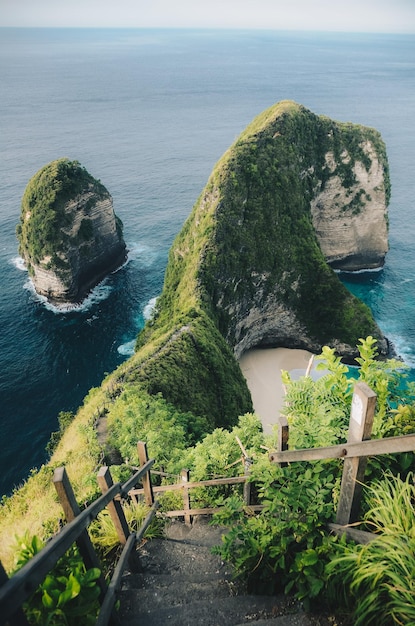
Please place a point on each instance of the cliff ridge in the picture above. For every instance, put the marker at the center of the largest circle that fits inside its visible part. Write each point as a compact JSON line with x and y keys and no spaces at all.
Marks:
{"x":251,"y":265}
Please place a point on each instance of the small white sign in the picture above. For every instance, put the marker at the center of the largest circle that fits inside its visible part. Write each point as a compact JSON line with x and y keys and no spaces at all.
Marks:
{"x":357,"y":409}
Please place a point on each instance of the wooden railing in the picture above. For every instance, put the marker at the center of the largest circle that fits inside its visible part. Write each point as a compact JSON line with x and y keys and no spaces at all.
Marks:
{"x":355,"y":453}
{"x":16,"y":590}
{"x":187,"y":512}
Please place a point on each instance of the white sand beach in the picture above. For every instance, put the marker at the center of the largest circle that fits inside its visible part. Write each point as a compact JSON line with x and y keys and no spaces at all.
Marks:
{"x":262,"y":370}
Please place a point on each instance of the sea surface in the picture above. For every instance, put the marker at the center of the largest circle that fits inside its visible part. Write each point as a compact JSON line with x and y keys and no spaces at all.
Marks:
{"x":149,"y":112}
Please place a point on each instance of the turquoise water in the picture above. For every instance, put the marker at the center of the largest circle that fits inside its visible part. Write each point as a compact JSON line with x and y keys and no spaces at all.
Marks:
{"x":149,"y":113}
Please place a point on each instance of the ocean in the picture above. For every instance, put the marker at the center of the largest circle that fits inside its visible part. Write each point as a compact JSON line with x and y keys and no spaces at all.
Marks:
{"x":149,"y":112}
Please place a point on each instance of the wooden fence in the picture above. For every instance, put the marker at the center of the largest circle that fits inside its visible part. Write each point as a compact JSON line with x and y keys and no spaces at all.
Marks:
{"x":16,"y":590}
{"x":355,"y":453}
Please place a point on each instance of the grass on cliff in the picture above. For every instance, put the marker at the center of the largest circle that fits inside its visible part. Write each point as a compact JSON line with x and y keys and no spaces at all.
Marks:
{"x":34,"y":505}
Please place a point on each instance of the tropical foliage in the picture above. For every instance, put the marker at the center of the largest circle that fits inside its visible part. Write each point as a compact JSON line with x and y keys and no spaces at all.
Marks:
{"x":69,"y":592}
{"x":286,"y":547}
{"x":376,"y":581}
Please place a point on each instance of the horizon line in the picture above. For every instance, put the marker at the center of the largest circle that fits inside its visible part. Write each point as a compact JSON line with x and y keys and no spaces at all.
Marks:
{"x":211,"y":28}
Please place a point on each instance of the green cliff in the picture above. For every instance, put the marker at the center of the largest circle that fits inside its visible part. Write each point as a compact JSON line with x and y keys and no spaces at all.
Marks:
{"x":247,"y":268}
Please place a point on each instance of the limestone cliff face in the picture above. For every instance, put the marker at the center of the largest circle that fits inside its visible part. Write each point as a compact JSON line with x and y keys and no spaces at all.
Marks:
{"x":70,"y":237}
{"x":295,"y":192}
{"x":350,"y":222}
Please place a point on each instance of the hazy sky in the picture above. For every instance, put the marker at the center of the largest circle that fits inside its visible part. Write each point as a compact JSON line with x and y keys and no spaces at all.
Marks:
{"x":334,"y":15}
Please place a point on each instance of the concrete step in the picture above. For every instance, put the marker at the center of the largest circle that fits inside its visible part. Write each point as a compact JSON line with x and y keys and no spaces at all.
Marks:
{"x":230,"y":611}
{"x":176,"y":593}
{"x":183,"y":584}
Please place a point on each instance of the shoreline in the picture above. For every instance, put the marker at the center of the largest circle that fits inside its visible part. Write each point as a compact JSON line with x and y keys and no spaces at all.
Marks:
{"x":261,"y":368}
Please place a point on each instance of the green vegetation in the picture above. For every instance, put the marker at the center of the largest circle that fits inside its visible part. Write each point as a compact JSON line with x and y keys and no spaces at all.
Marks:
{"x":104,"y":535}
{"x":287,"y":548}
{"x":186,"y":359}
{"x":376,"y":581}
{"x":248,"y":240}
{"x":68,"y":593}
{"x":64,"y":419}
{"x":44,"y":221}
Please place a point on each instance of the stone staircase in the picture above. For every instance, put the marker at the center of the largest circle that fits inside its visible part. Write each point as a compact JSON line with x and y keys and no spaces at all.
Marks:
{"x":183,"y":584}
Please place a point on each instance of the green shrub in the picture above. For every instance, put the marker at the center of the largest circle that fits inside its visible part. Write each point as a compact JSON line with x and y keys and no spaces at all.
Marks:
{"x":283,"y":548}
{"x":376,"y":581}
{"x":286,"y":546}
{"x":69,"y":592}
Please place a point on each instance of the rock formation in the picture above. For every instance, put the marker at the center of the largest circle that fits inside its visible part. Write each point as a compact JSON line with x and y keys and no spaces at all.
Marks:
{"x":250,"y":266}
{"x":350,"y":220}
{"x":273,"y":209}
{"x":69,"y":235}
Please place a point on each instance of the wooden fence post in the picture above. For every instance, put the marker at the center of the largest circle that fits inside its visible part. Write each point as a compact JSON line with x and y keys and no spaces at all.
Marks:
{"x":114,"y":507}
{"x":247,"y":462}
{"x":247,"y":484}
{"x":283,"y":434}
{"x":360,"y":429}
{"x":117,"y":515}
{"x":185,"y":474}
{"x":147,"y":486}
{"x":71,"y":510}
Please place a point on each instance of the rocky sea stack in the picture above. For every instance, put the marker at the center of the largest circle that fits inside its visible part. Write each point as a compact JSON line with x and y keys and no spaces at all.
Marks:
{"x":69,"y":235}
{"x":251,"y":266}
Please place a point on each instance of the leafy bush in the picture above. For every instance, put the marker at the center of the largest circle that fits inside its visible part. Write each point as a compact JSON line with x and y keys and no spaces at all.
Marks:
{"x":285,"y":547}
{"x":219,"y":455}
{"x":137,"y":416}
{"x":218,"y":451}
{"x":69,"y":592}
{"x":318,"y":411}
{"x":376,"y":581}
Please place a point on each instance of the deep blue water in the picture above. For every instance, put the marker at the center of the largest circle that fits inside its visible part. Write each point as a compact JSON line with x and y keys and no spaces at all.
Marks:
{"x":149,"y":113}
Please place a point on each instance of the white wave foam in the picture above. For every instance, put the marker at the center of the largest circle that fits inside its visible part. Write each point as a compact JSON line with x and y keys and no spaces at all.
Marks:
{"x":141,"y":252}
{"x":404,"y":350}
{"x":149,"y":308}
{"x":18,"y":263}
{"x":99,"y":293}
{"x":364,"y":271}
{"x":127,"y":349}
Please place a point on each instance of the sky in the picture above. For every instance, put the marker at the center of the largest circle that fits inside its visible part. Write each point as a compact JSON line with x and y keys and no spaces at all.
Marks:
{"x":383,"y":16}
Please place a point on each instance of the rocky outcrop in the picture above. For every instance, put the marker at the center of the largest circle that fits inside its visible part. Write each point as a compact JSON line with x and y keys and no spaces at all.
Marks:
{"x":351,"y":222}
{"x":295,"y":192}
{"x":69,"y":235}
{"x":250,"y":266}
